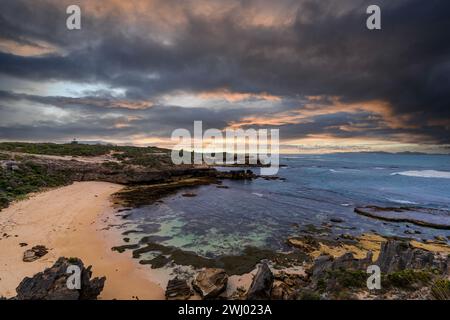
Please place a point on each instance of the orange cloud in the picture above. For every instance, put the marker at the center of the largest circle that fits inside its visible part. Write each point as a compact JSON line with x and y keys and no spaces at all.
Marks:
{"x":35,"y":48}
{"x":230,"y":96}
{"x":318,"y":105}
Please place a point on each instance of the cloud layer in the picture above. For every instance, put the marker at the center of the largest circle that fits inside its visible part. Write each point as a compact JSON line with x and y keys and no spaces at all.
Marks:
{"x":137,"y":70}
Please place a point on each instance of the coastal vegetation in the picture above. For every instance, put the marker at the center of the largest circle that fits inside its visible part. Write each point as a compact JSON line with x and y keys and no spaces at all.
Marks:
{"x":333,"y":266}
{"x":70,"y":149}
{"x":28,"y":177}
{"x":22,"y":173}
{"x":122,"y":153}
{"x":148,"y":171}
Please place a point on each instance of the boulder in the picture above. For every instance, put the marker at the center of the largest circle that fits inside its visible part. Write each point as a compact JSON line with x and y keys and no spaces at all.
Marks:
{"x":210,"y":282}
{"x":51,"y":284}
{"x":34,"y":253}
{"x":261,"y":286}
{"x":178,"y":289}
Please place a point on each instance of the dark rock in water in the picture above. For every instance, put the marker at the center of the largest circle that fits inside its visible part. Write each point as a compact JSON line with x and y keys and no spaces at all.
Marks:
{"x":398,"y":255}
{"x":157,"y":262}
{"x":441,"y":239}
{"x":336,"y":220}
{"x":412,"y":232}
{"x":223,"y":187}
{"x":178,"y":289}
{"x":261,"y":286}
{"x":189,"y":195}
{"x":34,"y":253}
{"x":347,"y":236}
{"x":51,"y":284}
{"x":124,"y":247}
{"x":232,"y":264}
{"x":210,"y":282}
{"x":236,"y":175}
{"x":433,"y":218}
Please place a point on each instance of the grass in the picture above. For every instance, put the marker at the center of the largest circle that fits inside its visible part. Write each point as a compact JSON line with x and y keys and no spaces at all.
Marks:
{"x":4,"y":156}
{"x":82,"y":150}
{"x":30,"y":177}
{"x":143,"y":156}
{"x":340,"y":279}
{"x":113,"y":165}
{"x":147,"y":157}
{"x":56,"y":149}
{"x":349,"y":278}
{"x":441,"y":289}
{"x":407,"y":279}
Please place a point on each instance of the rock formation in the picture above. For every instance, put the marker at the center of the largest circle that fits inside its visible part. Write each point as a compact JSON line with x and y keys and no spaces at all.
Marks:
{"x":34,"y":253}
{"x":51,"y":284}
{"x":399,"y":255}
{"x":178,"y":289}
{"x":210,"y":282}
{"x":261,"y":286}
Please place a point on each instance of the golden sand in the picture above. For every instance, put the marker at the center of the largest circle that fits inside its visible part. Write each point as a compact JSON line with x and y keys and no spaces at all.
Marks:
{"x":71,"y":221}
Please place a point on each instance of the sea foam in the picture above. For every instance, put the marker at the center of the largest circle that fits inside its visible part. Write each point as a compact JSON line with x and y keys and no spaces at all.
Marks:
{"x":424,"y":174}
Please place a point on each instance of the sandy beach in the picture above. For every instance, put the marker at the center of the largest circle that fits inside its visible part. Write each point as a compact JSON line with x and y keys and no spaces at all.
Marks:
{"x":71,"y":221}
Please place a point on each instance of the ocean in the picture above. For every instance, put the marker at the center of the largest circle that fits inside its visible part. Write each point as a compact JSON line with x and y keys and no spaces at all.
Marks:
{"x":264,"y":213}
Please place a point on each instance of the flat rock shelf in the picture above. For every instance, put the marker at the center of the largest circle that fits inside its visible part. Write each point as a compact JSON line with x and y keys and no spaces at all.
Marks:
{"x":427,"y":217}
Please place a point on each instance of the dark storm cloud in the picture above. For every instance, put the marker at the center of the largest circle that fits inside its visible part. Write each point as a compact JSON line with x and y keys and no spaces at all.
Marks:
{"x":325,"y":50}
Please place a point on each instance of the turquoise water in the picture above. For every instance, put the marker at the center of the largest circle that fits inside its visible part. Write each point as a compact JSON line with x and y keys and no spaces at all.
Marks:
{"x":263,"y":213}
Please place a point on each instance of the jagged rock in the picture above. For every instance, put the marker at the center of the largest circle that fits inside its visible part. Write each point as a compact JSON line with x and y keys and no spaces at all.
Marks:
{"x":321,"y":265}
{"x":347,"y":261}
{"x":178,"y":289}
{"x":398,"y":255}
{"x":210,"y":282}
{"x":51,"y":284}
{"x":261,"y":286}
{"x":394,"y":256}
{"x":34,"y":253}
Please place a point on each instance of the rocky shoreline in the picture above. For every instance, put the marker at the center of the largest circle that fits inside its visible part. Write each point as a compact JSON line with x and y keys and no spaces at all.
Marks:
{"x":318,"y":264}
{"x":318,"y":267}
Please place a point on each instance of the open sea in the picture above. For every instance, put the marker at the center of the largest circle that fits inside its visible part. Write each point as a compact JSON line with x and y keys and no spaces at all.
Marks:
{"x":264,"y":213}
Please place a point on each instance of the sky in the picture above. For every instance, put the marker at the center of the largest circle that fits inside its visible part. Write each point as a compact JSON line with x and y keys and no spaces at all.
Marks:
{"x":137,"y":70}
